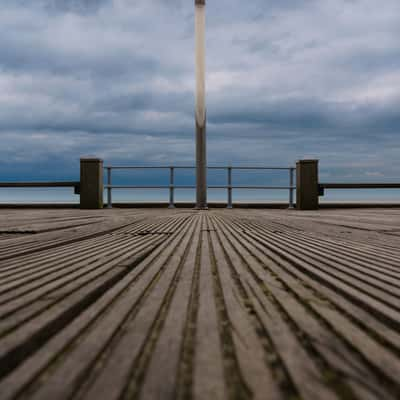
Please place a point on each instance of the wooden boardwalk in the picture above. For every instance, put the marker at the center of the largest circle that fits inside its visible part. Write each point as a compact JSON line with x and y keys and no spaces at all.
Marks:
{"x":161,"y":304}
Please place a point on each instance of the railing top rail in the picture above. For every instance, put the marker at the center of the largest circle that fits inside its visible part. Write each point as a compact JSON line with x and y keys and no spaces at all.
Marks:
{"x":193,"y":167}
{"x":38,"y":184}
{"x":258,"y":168}
{"x":143,"y":167}
{"x":357,"y":185}
{"x":194,"y":187}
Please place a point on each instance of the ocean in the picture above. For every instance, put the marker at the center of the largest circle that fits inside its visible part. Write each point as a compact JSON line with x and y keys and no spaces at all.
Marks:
{"x":66,"y":195}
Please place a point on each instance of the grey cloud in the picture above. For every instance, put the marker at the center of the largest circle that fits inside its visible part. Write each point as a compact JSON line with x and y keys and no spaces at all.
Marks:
{"x":286,"y":80}
{"x":75,"y":6}
{"x":80,"y":6}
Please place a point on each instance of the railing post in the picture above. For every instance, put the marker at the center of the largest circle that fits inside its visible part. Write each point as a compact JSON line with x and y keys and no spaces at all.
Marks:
{"x":230,"y":205}
{"x":91,"y":183}
{"x":109,"y":188}
{"x":307,"y":185}
{"x":291,"y":190}
{"x":171,"y":188}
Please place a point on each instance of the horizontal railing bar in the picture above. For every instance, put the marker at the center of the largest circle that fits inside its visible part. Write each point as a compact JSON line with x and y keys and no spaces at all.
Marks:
{"x":261,"y":168}
{"x":194,"y":187}
{"x":148,"y":187}
{"x":146,"y":167}
{"x":192,"y":167}
{"x":251,"y":187}
{"x":360,"y":185}
{"x":38,"y":184}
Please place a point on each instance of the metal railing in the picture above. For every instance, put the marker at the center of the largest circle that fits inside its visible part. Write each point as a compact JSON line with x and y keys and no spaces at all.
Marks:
{"x":172,"y":186}
{"x":323,"y":186}
{"x":75,"y":185}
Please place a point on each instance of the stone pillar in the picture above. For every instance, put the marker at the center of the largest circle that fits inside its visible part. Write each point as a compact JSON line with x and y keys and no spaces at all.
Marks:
{"x":307,"y":185}
{"x":91,"y":183}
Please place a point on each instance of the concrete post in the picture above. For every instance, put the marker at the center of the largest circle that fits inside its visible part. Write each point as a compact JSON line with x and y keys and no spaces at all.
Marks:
{"x":307,"y":185}
{"x":91,"y":183}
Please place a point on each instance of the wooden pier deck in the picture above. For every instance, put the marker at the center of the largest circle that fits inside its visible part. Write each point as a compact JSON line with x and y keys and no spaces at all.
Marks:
{"x":178,"y":304}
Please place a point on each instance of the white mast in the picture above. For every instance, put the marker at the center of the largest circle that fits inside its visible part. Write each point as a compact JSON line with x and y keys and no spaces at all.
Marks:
{"x":201,"y":156}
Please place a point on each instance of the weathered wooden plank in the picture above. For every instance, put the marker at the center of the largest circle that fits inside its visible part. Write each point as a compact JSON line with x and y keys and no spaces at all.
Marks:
{"x":79,"y":363}
{"x":41,"y":256}
{"x":162,"y":383}
{"x":56,"y":289}
{"x":346,"y":306}
{"x":299,"y":307}
{"x":329,"y":250}
{"x":51,"y":240}
{"x":72,"y":256}
{"x":302,"y":368}
{"x":348,"y":286}
{"x":119,"y":296}
{"x":182,"y":304}
{"x":384,"y":254}
{"x":209,"y":379}
{"x":252,"y":359}
{"x":19,"y":343}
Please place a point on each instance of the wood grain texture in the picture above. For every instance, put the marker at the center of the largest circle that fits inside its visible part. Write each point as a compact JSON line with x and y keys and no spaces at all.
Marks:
{"x":184,"y":304}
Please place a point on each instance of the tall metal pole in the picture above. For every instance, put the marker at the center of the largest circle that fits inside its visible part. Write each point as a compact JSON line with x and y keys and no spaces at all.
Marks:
{"x":201,"y":155}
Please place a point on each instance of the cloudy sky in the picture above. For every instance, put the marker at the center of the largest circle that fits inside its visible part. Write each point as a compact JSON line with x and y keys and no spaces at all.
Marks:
{"x":286,"y":79}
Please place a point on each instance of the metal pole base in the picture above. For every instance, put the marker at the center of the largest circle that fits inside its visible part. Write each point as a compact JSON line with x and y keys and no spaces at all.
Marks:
{"x":201,"y":168}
